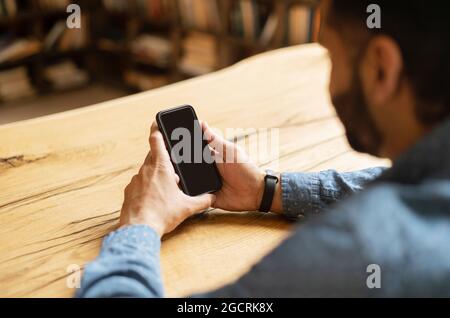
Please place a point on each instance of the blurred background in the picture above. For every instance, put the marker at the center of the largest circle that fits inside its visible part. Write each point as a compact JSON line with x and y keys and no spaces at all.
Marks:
{"x":128,"y":46}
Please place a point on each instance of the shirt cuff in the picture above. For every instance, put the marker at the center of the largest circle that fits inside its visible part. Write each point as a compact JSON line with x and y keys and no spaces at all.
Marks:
{"x":140,"y":238}
{"x":128,"y":266}
{"x":300,"y":194}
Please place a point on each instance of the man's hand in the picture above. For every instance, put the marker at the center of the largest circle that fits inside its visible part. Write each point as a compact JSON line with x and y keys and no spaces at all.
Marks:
{"x":243,"y":181}
{"x":153,"y":196}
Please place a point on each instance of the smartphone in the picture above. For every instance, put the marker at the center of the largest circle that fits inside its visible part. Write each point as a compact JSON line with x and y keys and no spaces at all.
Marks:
{"x":189,"y":152}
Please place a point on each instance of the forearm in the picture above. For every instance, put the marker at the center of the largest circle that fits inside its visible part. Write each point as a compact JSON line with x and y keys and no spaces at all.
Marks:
{"x":301,"y":194}
{"x":128,"y":266}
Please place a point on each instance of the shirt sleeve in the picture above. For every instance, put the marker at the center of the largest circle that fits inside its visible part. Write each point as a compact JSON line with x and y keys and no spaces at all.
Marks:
{"x":326,"y":256}
{"x":128,"y":266}
{"x":308,"y":193}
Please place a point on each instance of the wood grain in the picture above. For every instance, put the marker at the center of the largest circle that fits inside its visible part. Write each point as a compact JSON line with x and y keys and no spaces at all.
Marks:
{"x":62,"y":176}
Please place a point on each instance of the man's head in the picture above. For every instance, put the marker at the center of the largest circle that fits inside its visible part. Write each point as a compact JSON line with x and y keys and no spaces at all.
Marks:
{"x":389,"y":85}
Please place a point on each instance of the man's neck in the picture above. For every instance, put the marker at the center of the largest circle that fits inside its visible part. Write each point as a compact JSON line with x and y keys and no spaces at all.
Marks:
{"x":401,"y":142}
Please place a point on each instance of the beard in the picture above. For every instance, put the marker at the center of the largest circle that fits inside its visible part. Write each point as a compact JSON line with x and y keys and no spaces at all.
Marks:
{"x":352,"y":109}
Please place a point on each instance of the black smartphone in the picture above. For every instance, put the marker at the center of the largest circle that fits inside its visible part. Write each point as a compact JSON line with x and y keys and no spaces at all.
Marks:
{"x":189,"y":151}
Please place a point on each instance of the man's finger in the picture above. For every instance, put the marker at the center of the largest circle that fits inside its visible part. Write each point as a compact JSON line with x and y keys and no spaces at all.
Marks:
{"x":158,"y":148}
{"x":154,"y":127}
{"x":148,"y":158}
{"x":207,"y":131}
{"x":214,"y":140}
{"x":200,"y":203}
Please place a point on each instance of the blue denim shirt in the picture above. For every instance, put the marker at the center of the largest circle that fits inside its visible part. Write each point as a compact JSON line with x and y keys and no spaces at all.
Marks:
{"x":397,"y":220}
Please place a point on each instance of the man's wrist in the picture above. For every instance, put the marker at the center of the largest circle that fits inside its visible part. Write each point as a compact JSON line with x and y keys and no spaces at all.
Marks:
{"x":156,"y":226}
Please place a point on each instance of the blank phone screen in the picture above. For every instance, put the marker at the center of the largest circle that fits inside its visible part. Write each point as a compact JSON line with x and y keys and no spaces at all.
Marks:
{"x":189,"y":151}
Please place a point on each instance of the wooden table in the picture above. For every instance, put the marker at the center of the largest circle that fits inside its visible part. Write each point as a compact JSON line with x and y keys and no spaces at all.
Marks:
{"x":62,"y":176}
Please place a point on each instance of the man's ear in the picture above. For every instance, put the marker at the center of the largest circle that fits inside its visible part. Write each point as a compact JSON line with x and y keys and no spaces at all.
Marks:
{"x":381,"y":69}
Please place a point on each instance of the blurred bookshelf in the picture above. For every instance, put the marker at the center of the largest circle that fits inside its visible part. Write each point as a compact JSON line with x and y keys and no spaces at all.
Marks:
{"x":139,"y":44}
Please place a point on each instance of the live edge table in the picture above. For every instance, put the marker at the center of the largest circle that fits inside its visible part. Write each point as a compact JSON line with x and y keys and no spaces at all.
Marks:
{"x":62,"y":176}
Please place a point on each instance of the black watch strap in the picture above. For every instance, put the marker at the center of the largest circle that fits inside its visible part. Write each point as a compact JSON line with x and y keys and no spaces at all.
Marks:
{"x":270,"y":184}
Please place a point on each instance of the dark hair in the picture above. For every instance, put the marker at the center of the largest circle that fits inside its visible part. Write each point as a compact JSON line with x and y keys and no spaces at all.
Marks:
{"x":422,"y":30}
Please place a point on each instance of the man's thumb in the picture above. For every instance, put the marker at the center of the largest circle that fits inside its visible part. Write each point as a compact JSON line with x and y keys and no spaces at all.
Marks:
{"x":202,"y":202}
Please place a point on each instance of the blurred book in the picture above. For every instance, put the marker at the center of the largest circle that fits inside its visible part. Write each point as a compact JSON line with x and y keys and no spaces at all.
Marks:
{"x":12,"y":8}
{"x":199,"y":54}
{"x":254,"y":20}
{"x":14,"y":49}
{"x":300,"y":24}
{"x":54,"y":35}
{"x":200,"y":14}
{"x":53,"y":5}
{"x":8,"y":8}
{"x":61,"y":38}
{"x":15,"y":84}
{"x":74,"y":39}
{"x":116,"y":5}
{"x":154,"y":10}
{"x":248,"y":9}
{"x":144,"y":81}
{"x":152,"y":49}
{"x":269,"y":30}
{"x":316,"y":25}
{"x":65,"y":75}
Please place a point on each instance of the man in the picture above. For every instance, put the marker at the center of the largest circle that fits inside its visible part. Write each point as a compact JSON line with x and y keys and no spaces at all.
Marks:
{"x":390,"y":88}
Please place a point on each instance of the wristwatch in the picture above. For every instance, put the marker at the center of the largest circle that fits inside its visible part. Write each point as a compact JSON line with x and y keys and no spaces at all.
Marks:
{"x":270,"y":184}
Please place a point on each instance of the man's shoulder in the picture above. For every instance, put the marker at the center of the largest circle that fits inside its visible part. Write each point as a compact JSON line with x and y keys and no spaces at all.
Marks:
{"x":424,"y":199}
{"x":392,"y":207}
